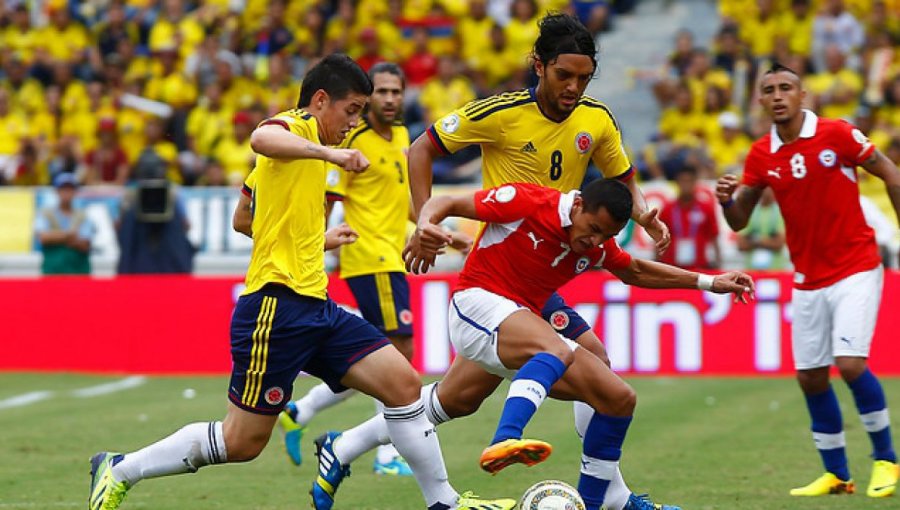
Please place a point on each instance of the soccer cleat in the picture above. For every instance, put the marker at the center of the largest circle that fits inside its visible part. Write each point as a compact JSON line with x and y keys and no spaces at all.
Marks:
{"x":331,"y":472}
{"x":397,"y":467}
{"x":512,"y":451}
{"x":884,"y":479}
{"x":469,"y":501}
{"x":106,"y":492}
{"x":643,"y":502}
{"x":293,"y":433}
{"x":825,"y":485}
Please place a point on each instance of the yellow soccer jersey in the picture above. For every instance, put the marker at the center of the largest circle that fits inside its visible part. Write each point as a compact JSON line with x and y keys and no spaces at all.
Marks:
{"x":289,"y":217}
{"x":376,"y":202}
{"x":519,"y":144}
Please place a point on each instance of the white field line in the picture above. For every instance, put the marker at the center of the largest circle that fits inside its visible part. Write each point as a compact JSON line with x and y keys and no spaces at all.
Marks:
{"x":34,"y":397}
{"x":25,"y":399}
{"x":104,"y":389}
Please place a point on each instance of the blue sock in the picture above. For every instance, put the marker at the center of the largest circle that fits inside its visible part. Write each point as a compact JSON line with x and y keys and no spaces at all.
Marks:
{"x":873,"y":412}
{"x":528,"y":389}
{"x":828,"y":432}
{"x":600,"y":456}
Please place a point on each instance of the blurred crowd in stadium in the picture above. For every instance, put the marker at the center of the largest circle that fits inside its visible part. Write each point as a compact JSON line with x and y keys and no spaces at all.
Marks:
{"x":107,"y":89}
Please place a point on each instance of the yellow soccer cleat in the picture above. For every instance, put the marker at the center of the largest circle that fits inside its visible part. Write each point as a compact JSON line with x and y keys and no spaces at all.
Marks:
{"x":512,"y":451}
{"x":469,"y":501}
{"x":106,"y":492}
{"x":825,"y":485}
{"x":884,"y":479}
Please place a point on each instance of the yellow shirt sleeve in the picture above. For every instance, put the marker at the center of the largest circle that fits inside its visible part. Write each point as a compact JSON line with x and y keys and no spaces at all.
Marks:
{"x":465,"y":126}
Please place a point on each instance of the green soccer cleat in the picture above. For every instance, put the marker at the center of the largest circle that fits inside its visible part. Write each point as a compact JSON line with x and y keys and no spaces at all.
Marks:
{"x":293,"y":433}
{"x":469,"y":501}
{"x":106,"y":492}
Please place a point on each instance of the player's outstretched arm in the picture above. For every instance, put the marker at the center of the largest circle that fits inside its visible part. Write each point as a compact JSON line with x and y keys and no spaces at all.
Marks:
{"x":421,"y":157}
{"x":737,"y":209}
{"x":430,"y":239}
{"x":276,"y":142}
{"x":880,"y":166}
{"x":656,"y":275}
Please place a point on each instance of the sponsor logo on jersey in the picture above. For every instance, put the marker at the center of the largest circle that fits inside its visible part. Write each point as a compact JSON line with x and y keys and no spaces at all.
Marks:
{"x":529,"y":148}
{"x":828,"y":158}
{"x":535,"y":239}
{"x":274,"y":395}
{"x":450,"y":123}
{"x":559,"y":320}
{"x":582,"y":264}
{"x":775,"y":173}
{"x":505,"y":194}
{"x":333,"y":177}
{"x":583,"y":142}
{"x":406,"y":317}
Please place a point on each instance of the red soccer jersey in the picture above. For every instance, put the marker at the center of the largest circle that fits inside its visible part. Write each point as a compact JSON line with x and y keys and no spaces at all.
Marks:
{"x":693,"y":224}
{"x":814,"y":180}
{"x":523,"y":253}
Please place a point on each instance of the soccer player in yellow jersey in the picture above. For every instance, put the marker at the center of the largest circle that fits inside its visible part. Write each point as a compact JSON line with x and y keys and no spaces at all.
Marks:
{"x":284,"y":321}
{"x":546,"y":135}
{"x":376,"y":205}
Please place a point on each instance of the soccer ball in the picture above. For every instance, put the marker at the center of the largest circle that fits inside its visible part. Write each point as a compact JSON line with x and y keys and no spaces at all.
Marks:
{"x":551,"y":495}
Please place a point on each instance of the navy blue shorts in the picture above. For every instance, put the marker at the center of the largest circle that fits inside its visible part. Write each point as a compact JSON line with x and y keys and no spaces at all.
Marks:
{"x":276,"y":334}
{"x":563,"y":318}
{"x":383,"y":299}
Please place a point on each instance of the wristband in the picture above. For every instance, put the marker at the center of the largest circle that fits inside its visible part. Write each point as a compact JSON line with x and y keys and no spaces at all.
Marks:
{"x":726,"y":205}
{"x":705,"y":281}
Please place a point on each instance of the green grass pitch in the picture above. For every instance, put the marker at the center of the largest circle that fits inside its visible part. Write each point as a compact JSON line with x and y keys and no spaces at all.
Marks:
{"x":702,"y":443}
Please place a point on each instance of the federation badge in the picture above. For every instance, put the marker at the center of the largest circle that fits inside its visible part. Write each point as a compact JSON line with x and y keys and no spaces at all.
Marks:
{"x":828,"y":158}
{"x":274,"y":395}
{"x":450,"y":123}
{"x":333,"y":178}
{"x":505,"y":194}
{"x":406,"y":317}
{"x":582,"y":264}
{"x":559,"y":320}
{"x":583,"y":142}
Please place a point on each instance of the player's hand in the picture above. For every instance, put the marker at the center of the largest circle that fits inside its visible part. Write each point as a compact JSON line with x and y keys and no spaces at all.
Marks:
{"x":350,"y":160}
{"x":725,"y":187}
{"x":656,"y":229}
{"x":423,"y":248}
{"x":339,"y":236}
{"x":461,"y":242}
{"x":737,"y":283}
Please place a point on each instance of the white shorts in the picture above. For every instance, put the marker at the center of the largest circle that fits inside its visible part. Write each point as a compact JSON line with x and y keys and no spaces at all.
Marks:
{"x":474,"y":317}
{"x":837,"y":320}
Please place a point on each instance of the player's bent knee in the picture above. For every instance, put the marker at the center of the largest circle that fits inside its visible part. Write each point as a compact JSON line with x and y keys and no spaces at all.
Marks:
{"x":244,"y":449}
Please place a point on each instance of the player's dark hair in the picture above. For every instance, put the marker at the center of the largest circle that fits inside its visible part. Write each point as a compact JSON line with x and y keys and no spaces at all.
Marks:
{"x":611,"y":194}
{"x":390,"y":68}
{"x":338,"y":75}
{"x":561,"y":34}
{"x":778,"y":68}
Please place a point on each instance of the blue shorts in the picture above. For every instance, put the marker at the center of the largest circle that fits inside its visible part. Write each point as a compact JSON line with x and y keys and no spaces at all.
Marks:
{"x":383,"y":299}
{"x":563,"y":318}
{"x":276,"y":334}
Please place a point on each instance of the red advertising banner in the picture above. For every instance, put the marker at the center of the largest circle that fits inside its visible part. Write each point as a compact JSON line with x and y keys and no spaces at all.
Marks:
{"x":172,"y":325}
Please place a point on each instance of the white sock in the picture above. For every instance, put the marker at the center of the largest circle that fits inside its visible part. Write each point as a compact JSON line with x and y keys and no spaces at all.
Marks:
{"x":320,"y":397}
{"x":361,"y":438}
{"x":385,"y":452}
{"x":415,"y":438}
{"x":433,"y":409}
{"x":617,"y":493}
{"x":187,"y":450}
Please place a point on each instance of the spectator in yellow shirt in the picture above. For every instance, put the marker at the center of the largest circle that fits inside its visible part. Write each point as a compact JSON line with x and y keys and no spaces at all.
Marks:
{"x":15,"y":130}
{"x":74,"y":94}
{"x":238,"y":92}
{"x":522,"y":30}
{"x":445,"y":92}
{"x":729,"y":149}
{"x":761,"y":30}
{"x":170,"y":86}
{"x":19,"y":38}
{"x":474,"y":32}
{"x":797,"y":27}
{"x":234,"y":152}
{"x":26,"y":94}
{"x":680,"y":123}
{"x":159,"y":157}
{"x":175,"y":28}
{"x":280,"y":91}
{"x":700,"y":76}
{"x":64,"y":39}
{"x":498,"y":69}
{"x":835,"y":91}
{"x":209,"y":122}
